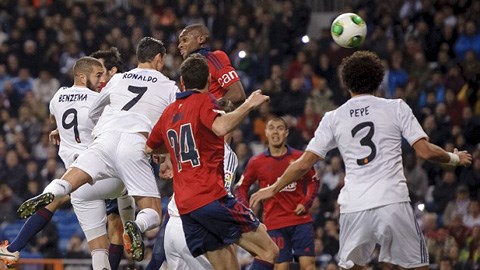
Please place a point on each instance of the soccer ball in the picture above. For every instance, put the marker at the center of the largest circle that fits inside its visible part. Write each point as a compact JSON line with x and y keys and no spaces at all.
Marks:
{"x":348,"y":30}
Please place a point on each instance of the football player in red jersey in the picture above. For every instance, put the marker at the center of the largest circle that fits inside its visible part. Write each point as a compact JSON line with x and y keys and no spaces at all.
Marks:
{"x":211,"y":219}
{"x":225,"y":82}
{"x":286,"y":215}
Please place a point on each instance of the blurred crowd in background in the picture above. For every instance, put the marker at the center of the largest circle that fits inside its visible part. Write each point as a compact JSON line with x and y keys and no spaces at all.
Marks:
{"x":431,"y":51}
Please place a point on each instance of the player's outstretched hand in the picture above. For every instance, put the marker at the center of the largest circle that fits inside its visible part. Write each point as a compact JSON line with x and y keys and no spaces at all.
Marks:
{"x":464,"y":156}
{"x":54,"y":137}
{"x":256,"y":98}
{"x":260,"y":195}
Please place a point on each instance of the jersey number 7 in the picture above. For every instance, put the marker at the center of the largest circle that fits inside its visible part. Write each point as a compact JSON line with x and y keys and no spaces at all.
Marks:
{"x":137,"y":90}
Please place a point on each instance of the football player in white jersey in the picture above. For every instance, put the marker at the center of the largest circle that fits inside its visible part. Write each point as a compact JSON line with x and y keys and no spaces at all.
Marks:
{"x":374,"y":203}
{"x":133,"y":102}
{"x":69,"y":111}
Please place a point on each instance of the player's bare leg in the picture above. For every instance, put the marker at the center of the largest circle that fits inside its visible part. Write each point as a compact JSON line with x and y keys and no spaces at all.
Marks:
{"x":99,"y":250}
{"x":259,"y":244}
{"x":307,"y":262}
{"x":282,"y":266}
{"x":223,"y":259}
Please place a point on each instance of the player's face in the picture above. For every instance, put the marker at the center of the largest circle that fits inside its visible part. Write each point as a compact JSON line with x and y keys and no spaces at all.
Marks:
{"x":276,"y":133}
{"x":107,"y":74}
{"x":189,"y":41}
{"x":95,"y":80}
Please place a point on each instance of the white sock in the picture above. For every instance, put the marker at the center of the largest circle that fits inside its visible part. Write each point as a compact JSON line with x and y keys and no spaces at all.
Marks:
{"x":147,"y":219}
{"x":100,"y":259}
{"x":59,"y":188}
{"x":126,"y":208}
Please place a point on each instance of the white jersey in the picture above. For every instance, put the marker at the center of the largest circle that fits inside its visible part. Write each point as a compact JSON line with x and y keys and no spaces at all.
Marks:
{"x":133,"y":101}
{"x":70,"y":108}
{"x":368,"y":132}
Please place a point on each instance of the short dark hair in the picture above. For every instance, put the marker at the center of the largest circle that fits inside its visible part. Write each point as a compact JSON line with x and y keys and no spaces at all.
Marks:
{"x":201,"y":30}
{"x":148,"y":48}
{"x":362,"y":72}
{"x":111,"y":58}
{"x":85,"y":65}
{"x":194,"y":71}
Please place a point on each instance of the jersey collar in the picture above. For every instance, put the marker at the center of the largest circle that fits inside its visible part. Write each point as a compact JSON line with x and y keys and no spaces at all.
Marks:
{"x":203,"y":51}
{"x":268,"y":154}
{"x":186,"y":94}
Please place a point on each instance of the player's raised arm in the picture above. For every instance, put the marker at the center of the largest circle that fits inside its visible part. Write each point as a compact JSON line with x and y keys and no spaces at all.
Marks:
{"x":226,"y":123}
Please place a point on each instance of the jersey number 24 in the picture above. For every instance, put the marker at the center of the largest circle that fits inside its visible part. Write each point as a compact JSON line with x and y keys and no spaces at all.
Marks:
{"x":184,"y":146}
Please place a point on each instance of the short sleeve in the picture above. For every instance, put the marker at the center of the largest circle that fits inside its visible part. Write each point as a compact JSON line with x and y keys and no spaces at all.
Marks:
{"x":221,"y":69}
{"x":324,"y":139}
{"x":208,"y":110}
{"x":411,"y":129}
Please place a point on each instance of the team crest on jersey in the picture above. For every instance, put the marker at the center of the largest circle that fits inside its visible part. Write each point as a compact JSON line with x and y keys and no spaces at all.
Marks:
{"x":228,"y":180}
{"x":291,"y":187}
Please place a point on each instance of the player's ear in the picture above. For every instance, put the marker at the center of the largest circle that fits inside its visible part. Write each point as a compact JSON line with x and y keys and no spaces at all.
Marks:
{"x":112,"y":71}
{"x":159,"y":60}
{"x":202,"y":39}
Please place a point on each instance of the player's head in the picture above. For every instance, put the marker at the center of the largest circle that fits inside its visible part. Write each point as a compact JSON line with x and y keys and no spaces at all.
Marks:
{"x":88,"y":72}
{"x":194,"y":73}
{"x":276,"y":132}
{"x":362,"y":72}
{"x":151,"y":50}
{"x":192,"y":38}
{"x":111,"y":60}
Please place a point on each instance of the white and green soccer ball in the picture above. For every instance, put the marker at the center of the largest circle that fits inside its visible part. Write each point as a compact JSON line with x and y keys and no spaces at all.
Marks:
{"x":348,"y":30}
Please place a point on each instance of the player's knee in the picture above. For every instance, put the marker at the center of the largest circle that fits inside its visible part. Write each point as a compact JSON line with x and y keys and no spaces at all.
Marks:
{"x":270,"y":254}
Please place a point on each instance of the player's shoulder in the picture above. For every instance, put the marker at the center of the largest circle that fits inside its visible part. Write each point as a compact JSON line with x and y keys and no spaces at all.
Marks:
{"x":258,"y":158}
{"x":218,"y":57}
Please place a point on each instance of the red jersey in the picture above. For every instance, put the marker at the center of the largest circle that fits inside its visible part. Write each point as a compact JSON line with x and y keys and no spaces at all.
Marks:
{"x":220,"y":67}
{"x":279,"y":211}
{"x":186,"y":128}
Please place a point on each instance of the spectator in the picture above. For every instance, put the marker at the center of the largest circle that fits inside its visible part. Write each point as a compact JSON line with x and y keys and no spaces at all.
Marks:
{"x":45,"y":86}
{"x":458,"y":206}
{"x":417,"y":180}
{"x":470,"y":40}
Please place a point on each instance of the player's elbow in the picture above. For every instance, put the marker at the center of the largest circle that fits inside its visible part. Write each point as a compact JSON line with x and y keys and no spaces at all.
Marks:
{"x":219,"y":129}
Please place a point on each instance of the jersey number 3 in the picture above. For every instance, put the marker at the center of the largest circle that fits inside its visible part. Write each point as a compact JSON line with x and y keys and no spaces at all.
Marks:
{"x":184,"y":146}
{"x":366,"y":141}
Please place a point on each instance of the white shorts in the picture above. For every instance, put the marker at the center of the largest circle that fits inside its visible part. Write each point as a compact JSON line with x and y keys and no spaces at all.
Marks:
{"x":88,"y":202}
{"x":392,"y":226}
{"x":120,"y":155}
{"x":176,"y":250}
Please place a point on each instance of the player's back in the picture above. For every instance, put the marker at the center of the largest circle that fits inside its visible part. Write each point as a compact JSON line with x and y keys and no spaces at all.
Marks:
{"x":70,"y":108}
{"x":199,"y":153}
{"x":137,"y":98}
{"x":368,"y":132}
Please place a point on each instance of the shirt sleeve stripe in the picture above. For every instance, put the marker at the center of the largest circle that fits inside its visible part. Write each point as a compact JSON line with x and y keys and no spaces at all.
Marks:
{"x":214,"y":60}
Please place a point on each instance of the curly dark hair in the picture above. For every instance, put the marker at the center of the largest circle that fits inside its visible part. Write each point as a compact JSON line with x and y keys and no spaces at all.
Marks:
{"x":362,"y":72}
